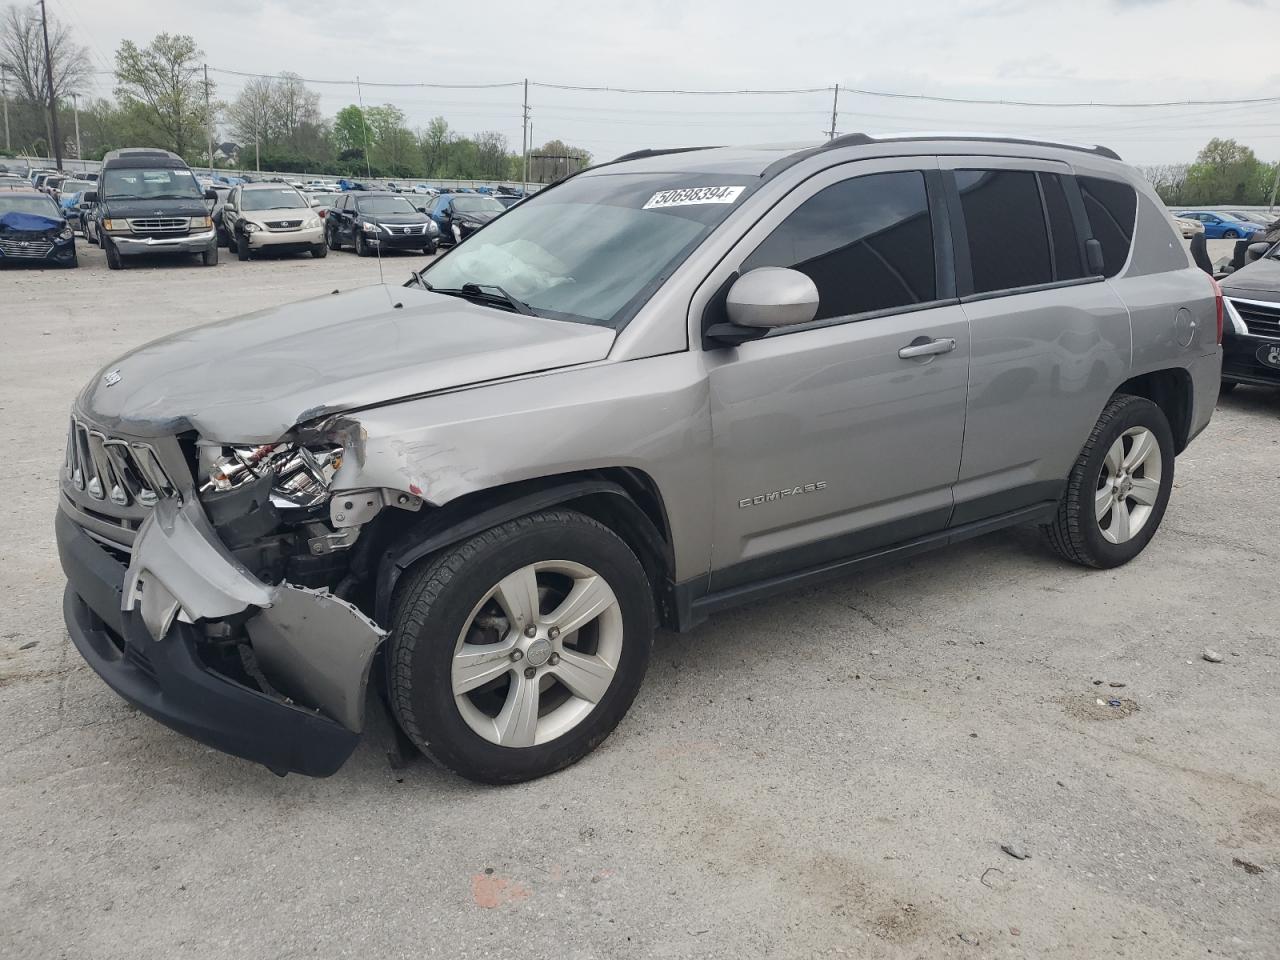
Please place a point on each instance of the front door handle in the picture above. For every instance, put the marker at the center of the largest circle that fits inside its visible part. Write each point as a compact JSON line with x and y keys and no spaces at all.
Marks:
{"x":925,"y":347}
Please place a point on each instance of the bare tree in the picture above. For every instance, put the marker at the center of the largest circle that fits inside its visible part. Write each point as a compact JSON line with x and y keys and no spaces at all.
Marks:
{"x":252,"y":114}
{"x":22,"y":51}
{"x":296,"y":107}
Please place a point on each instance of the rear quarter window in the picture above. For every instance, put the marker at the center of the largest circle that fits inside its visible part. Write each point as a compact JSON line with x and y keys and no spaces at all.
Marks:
{"x":1112,"y":208}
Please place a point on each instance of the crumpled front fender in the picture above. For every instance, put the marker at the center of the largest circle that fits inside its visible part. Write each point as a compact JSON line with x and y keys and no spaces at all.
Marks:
{"x":310,"y":645}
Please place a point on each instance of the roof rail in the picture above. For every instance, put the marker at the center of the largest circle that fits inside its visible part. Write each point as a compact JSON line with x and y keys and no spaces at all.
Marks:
{"x":645,"y":154}
{"x":863,"y":139}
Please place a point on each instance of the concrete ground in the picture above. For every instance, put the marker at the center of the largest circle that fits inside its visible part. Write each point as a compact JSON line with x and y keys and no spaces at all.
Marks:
{"x":831,"y":773}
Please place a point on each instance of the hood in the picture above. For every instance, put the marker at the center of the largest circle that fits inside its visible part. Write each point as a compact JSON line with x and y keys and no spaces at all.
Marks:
{"x":15,"y":221}
{"x":252,"y":378}
{"x":415,"y":217}
{"x":1259,"y":280}
{"x":272,"y":216}
{"x":131,"y":209}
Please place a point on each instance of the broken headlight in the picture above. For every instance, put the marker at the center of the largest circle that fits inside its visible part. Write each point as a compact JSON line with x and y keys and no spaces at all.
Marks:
{"x":303,"y":474}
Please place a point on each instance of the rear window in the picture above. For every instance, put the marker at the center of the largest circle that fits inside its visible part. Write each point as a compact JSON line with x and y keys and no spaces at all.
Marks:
{"x":1112,"y":208}
{"x":1004,"y":222}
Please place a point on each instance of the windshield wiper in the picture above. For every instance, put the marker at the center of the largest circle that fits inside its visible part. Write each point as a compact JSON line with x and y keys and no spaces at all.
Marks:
{"x":481,"y":292}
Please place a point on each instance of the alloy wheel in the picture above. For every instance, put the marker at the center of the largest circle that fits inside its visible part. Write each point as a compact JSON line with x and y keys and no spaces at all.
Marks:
{"x":1129,"y":485}
{"x":537,"y":653}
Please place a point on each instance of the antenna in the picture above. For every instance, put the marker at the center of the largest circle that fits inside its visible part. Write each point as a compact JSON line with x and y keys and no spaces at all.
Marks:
{"x":364,"y":128}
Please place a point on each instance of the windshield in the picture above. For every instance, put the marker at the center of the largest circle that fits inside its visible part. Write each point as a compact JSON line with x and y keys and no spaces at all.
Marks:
{"x":27,"y":203}
{"x":595,"y":248}
{"x":284,"y":198}
{"x":477,"y":204}
{"x":142,"y":183}
{"x":78,"y":186}
{"x":383,"y":206}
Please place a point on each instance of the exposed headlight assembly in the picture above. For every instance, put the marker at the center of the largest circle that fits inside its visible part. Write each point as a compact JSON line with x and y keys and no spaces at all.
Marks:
{"x":66,"y":234}
{"x":311,"y":224}
{"x":250,"y":227}
{"x":368,"y":227}
{"x":303,"y":474}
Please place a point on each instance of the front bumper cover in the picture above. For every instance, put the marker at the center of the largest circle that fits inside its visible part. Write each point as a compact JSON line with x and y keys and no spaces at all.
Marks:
{"x":191,"y":243}
{"x":268,"y":239}
{"x":141,"y":628}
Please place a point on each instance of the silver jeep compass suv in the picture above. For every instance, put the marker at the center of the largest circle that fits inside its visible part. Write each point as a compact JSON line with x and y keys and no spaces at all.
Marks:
{"x":661,"y":387}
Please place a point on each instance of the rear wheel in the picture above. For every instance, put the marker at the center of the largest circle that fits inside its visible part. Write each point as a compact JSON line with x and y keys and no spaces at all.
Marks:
{"x":516,"y":653}
{"x":1118,"y":490}
{"x":331,"y":239}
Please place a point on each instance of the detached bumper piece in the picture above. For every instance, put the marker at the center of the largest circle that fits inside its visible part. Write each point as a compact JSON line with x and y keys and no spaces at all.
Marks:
{"x":308,"y":644}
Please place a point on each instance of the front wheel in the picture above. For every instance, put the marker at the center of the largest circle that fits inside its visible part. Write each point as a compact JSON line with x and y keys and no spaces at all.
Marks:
{"x":114,"y":260}
{"x":362,"y":248}
{"x":517,"y":652}
{"x":319,"y":251}
{"x":1118,"y":490}
{"x":1230,"y":234}
{"x":210,"y":257}
{"x":242,"y":246}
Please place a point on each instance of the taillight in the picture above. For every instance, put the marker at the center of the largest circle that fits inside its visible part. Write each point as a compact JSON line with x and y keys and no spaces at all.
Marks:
{"x":1218,"y":306}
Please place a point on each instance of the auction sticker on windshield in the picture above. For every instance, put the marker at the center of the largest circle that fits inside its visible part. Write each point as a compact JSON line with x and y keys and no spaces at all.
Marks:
{"x":688,"y":196}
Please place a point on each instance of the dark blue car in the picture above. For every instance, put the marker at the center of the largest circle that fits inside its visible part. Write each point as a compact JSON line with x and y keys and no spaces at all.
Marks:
{"x":1219,"y":225}
{"x":32,"y":230}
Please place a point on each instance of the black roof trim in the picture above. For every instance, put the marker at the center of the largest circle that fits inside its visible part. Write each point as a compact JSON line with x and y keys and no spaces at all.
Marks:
{"x":862,"y":139}
{"x":645,"y":154}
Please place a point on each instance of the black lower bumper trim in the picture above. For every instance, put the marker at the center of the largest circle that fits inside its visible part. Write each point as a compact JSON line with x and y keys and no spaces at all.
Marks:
{"x":168,"y":681}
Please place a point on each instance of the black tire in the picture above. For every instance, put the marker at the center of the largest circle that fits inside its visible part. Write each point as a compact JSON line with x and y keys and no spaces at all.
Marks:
{"x":430,"y":249}
{"x":1226,"y":387}
{"x":1230,"y":235}
{"x":242,"y":246}
{"x":73,"y":262}
{"x":319,"y":251}
{"x":362,"y":248}
{"x":210,"y":257}
{"x":114,"y":260}
{"x":431,"y":609}
{"x":331,"y":239}
{"x":1075,"y":533}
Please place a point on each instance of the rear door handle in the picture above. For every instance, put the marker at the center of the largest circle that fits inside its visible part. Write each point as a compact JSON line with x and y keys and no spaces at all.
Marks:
{"x":924,"y":347}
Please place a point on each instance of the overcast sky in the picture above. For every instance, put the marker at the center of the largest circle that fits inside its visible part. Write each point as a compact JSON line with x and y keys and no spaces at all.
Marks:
{"x":1041,"y":50}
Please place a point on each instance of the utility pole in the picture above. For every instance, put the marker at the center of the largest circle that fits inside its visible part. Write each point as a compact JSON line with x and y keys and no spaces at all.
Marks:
{"x":1270,"y":204}
{"x":208,"y":119}
{"x":525,"y":136}
{"x":53,"y":103}
{"x":75,"y":105}
{"x":4,"y":91}
{"x":364,"y":128}
{"x":835,"y":106}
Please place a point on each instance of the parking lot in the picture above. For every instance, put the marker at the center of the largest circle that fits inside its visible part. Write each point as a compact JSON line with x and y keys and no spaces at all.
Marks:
{"x":830,"y":773}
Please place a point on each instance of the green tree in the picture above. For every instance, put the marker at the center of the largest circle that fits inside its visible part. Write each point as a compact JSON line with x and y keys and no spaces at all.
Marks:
{"x":350,"y":129}
{"x":162,"y":82}
{"x":1226,"y":171}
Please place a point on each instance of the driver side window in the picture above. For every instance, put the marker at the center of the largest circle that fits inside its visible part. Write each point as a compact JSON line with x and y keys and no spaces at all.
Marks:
{"x":866,"y":243}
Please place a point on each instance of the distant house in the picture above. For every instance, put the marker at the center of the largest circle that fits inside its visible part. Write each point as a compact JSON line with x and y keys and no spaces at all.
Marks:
{"x":227,"y":151}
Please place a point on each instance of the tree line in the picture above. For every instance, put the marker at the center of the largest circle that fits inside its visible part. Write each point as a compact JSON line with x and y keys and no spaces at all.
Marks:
{"x":162,"y":98}
{"x":1225,"y":171}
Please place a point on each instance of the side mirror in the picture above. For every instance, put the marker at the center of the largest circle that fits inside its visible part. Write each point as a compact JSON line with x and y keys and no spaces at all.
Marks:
{"x":422,"y":209}
{"x":769,"y":297}
{"x":1256,"y":251}
{"x":90,"y":197}
{"x":211,"y":194}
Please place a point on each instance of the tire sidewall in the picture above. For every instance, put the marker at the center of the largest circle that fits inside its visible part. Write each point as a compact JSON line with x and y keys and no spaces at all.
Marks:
{"x":1139,"y":413}
{"x":437,"y":725}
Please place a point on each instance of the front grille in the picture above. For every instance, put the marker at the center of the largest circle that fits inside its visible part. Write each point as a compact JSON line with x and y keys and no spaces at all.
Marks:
{"x":159,"y":225}
{"x":406,"y":231}
{"x":1262,"y":319}
{"x":35,"y":249}
{"x":284,"y":224}
{"x":121,"y":471}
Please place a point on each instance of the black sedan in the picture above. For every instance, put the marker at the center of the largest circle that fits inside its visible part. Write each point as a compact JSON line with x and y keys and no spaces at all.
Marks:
{"x":378,"y":221}
{"x":32,"y":230}
{"x":458,"y":215}
{"x":1251,"y":325}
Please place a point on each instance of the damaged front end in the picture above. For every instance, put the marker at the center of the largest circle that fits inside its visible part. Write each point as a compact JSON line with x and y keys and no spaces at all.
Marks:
{"x":237,"y":592}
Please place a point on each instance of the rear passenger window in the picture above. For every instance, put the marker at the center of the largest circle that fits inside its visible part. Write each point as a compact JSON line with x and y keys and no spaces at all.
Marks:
{"x":867,"y":244}
{"x":1004,"y":221}
{"x":1112,"y":208}
{"x":1067,"y":261}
